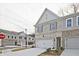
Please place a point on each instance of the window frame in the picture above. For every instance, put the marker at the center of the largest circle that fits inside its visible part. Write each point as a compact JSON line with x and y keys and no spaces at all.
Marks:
{"x":20,"y":37}
{"x":12,"y":37}
{"x":54,"y":24}
{"x":77,"y":20}
{"x":71,"y":22}
{"x":40,"y":28}
{"x":8,"y":36}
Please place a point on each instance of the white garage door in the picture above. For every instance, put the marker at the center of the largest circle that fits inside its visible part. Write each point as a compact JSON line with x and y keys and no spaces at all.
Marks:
{"x":72,"y":43}
{"x":44,"y":43}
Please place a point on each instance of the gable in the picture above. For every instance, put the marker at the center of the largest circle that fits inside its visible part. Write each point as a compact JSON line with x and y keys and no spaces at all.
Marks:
{"x":46,"y":16}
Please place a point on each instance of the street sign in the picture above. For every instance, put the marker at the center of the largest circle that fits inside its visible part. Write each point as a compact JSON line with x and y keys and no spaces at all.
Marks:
{"x":2,"y":36}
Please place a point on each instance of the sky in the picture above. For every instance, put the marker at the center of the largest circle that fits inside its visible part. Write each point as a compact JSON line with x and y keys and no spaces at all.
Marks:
{"x":20,"y":16}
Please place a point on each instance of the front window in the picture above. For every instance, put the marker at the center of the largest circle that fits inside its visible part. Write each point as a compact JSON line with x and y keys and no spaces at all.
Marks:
{"x":69,"y":22}
{"x":15,"y":37}
{"x":8,"y":36}
{"x":25,"y":38}
{"x":40,"y":28}
{"x":29,"y":38}
{"x":20,"y":37}
{"x":12,"y":37}
{"x":53,"y":26}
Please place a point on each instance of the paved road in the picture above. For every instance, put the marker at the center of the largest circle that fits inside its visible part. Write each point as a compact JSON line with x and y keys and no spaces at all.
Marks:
{"x":27,"y":52}
{"x":70,"y":52}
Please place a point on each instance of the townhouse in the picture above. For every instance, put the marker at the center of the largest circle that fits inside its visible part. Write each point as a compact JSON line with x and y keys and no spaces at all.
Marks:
{"x":16,"y":39}
{"x":52,"y":31}
{"x":10,"y":38}
{"x":25,"y":40}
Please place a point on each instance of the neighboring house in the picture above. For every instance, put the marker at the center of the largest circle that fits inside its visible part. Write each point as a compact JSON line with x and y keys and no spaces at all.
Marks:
{"x":25,"y":40}
{"x":10,"y":38}
{"x":31,"y":40}
{"x":45,"y":29}
{"x":55,"y":32}
{"x":17,"y":39}
{"x":22,"y":39}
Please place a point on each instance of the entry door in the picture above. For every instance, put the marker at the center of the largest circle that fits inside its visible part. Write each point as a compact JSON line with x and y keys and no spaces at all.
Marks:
{"x":15,"y":43}
{"x":58,"y":42}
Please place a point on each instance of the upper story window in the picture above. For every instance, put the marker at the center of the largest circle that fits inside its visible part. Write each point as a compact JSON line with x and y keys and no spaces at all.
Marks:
{"x":20,"y":37}
{"x":12,"y":37}
{"x":25,"y":38}
{"x":77,"y":21}
{"x":53,"y":26}
{"x":29,"y":38}
{"x":40,"y":28}
{"x":8,"y":36}
{"x":15,"y":37}
{"x":69,"y":22}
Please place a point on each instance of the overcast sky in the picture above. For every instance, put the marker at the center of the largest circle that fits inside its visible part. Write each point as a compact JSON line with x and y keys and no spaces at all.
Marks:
{"x":18,"y":16}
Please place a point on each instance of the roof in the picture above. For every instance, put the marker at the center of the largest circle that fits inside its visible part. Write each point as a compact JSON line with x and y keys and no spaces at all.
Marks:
{"x":44,"y":12}
{"x":66,"y":16}
{"x":21,"y":33}
{"x":8,"y":32}
{"x":32,"y":35}
{"x":69,"y":16}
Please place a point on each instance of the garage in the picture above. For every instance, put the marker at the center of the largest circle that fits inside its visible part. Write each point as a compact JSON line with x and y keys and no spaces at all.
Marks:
{"x":72,"y":43}
{"x":44,"y":43}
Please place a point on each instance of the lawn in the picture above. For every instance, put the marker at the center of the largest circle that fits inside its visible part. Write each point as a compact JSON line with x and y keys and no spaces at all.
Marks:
{"x":18,"y":49}
{"x":0,"y":51}
{"x":52,"y":53}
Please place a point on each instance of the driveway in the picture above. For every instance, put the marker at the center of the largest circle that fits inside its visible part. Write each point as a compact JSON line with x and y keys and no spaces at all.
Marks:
{"x":27,"y":52}
{"x":70,"y":52}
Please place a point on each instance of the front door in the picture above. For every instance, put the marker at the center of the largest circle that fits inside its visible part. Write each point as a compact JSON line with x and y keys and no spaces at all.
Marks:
{"x":58,"y":42}
{"x":15,"y":43}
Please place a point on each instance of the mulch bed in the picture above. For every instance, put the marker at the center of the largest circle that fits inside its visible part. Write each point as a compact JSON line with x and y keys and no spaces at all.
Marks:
{"x":51,"y":53}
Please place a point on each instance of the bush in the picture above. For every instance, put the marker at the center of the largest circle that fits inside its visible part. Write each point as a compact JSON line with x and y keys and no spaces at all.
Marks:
{"x":18,"y":49}
{"x":53,"y":48}
{"x":33,"y":46}
{"x":62,"y":48}
{"x":48,"y":49}
{"x":56,"y":50}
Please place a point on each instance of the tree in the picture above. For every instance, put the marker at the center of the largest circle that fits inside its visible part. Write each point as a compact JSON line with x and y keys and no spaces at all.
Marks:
{"x":75,"y":7}
{"x":70,"y":8}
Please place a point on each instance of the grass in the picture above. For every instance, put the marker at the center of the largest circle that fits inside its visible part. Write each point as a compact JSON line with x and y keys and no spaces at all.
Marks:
{"x":0,"y":51}
{"x":52,"y":53}
{"x":1,"y":48}
{"x":18,"y":49}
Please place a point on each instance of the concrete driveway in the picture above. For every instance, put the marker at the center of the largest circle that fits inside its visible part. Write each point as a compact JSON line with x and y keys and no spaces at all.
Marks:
{"x":70,"y":52}
{"x":27,"y":52}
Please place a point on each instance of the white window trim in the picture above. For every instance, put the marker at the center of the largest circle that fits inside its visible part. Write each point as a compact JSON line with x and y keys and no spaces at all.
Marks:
{"x":71,"y":22}
{"x":77,"y":21}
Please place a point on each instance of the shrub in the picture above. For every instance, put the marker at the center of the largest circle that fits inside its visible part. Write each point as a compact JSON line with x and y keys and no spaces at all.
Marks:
{"x":33,"y":46}
{"x":62,"y":48}
{"x":18,"y":49}
{"x":56,"y":50}
{"x":48,"y":49}
{"x":53,"y":48}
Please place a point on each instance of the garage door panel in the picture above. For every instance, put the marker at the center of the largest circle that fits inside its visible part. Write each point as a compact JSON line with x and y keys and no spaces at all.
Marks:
{"x":44,"y":43}
{"x":72,"y":43}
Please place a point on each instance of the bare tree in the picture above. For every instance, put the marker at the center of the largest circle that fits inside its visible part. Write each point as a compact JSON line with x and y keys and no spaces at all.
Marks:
{"x":61,"y":13}
{"x":70,"y":8}
{"x":75,"y":7}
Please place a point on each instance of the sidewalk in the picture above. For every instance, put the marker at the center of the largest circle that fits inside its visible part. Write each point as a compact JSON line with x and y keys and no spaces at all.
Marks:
{"x":26,"y":52}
